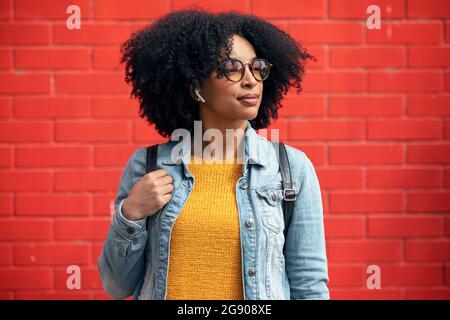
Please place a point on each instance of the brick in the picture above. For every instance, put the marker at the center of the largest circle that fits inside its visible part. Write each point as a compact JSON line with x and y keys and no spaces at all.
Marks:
{"x":26,"y":278}
{"x":24,"y":33}
{"x":51,"y":254}
{"x":92,"y":33}
{"x":114,"y":107}
{"x":425,"y":153}
{"x":96,"y":83}
{"x":447,"y":81}
{"x":366,"y":105}
{"x":6,"y":110}
{"x":290,"y":9}
{"x":447,"y":275}
{"x":428,"y":105}
{"x":113,"y":155}
{"x":104,"y":204}
{"x":25,"y":229}
{"x":366,"y":202}
{"x":6,"y":12}
{"x":5,"y":254}
{"x":25,"y":181}
{"x":366,"y":154}
{"x":53,"y":156}
{"x":6,"y":156}
{"x":6,"y":295}
{"x":26,"y":131}
{"x":428,"y":9}
{"x":24,"y":83}
{"x":87,"y":180}
{"x":143,"y":132}
{"x":407,"y":33}
{"x":55,"y":107}
{"x":334,"y":81}
{"x":327,"y":130}
{"x":340,"y":178}
{"x":53,"y":205}
{"x":411,"y":275}
{"x":97,"y":131}
{"x":447,"y":29}
{"x":315,"y":152}
{"x":6,"y":205}
{"x":278,"y":126}
{"x":447,"y":178}
{"x":122,"y":9}
{"x":404,"y":178}
{"x":367,"y":294}
{"x":419,"y":201}
{"x":90,"y":278}
{"x":5,"y":58}
{"x":63,"y":295}
{"x":363,"y":251}
{"x":447,"y":227}
{"x":54,"y":58}
{"x":428,"y":294}
{"x":406,"y":81}
{"x":320,"y":54}
{"x":367,"y":57}
{"x":341,"y":276}
{"x":327,"y":32}
{"x":412,"y":129}
{"x":405,"y":226}
{"x":107,"y":58}
{"x":428,"y":57}
{"x":358,"y":8}
{"x":92,"y":229}
{"x":302,"y":105}
{"x":340,"y":227}
{"x":48,"y":9}
{"x":430,"y":250}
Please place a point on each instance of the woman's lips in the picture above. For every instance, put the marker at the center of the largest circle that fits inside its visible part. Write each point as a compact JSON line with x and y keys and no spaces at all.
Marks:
{"x":249,"y":101}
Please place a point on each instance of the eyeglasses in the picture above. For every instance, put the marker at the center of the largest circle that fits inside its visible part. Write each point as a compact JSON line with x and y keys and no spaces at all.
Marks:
{"x":234,"y":69}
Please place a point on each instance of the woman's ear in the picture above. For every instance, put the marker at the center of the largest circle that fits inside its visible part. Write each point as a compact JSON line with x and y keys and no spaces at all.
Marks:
{"x":199,"y":96}
{"x":195,"y":94}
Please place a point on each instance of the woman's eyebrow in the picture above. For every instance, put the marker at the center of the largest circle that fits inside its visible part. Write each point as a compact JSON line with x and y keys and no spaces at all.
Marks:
{"x":239,"y":59}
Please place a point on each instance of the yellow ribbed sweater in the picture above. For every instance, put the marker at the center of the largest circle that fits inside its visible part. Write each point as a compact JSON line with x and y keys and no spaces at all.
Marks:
{"x":205,"y":248}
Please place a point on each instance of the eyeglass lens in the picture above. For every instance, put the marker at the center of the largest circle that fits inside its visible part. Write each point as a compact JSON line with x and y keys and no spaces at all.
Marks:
{"x":234,"y":69}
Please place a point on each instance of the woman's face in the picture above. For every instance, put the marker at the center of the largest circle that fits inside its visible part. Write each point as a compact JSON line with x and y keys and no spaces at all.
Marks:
{"x":221,"y":95}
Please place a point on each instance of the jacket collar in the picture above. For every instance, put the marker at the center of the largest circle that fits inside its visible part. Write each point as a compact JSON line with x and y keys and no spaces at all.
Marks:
{"x":255,"y":149}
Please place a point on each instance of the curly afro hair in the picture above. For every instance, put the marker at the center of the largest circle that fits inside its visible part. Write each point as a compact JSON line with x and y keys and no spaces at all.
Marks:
{"x":183,"y":48}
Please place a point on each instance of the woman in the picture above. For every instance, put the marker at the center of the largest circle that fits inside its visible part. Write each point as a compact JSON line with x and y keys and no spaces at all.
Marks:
{"x":215,"y":229}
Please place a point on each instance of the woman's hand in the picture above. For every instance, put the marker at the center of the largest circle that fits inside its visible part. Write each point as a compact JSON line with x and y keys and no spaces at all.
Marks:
{"x":148,"y":195}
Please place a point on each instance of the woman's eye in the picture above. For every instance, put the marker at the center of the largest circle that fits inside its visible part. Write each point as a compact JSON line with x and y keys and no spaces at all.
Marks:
{"x":233,"y":66}
{"x":258,"y":65}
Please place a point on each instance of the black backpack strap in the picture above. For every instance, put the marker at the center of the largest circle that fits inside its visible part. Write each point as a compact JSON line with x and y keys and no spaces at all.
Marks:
{"x":288,"y":192}
{"x":152,"y":156}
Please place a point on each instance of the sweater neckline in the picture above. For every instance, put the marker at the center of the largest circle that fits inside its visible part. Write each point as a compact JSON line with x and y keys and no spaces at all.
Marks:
{"x":205,"y":165}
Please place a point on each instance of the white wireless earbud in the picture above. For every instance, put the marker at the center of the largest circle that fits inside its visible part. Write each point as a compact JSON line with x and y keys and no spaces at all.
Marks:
{"x":197,"y":93}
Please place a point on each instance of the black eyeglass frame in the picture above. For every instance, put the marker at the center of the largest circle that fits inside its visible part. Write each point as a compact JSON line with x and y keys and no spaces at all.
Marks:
{"x":221,"y":68}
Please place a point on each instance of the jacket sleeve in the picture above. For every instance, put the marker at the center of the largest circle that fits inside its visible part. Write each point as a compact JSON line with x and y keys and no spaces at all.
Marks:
{"x":121,"y":261}
{"x":306,"y":260}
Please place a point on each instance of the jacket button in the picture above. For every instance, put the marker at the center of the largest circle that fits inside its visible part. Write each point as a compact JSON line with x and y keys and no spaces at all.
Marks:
{"x":249,"y":222}
{"x":244,"y":184}
{"x":252,"y":272}
{"x":130,"y":230}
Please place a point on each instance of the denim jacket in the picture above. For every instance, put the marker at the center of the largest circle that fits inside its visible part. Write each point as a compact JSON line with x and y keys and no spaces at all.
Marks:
{"x":267,"y":273}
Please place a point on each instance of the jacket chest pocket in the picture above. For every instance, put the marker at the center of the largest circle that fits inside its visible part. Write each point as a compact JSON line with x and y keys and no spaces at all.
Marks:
{"x":271,"y":197}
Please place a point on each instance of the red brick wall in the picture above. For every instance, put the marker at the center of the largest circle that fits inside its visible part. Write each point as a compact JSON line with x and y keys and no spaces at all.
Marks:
{"x":373,"y":117}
